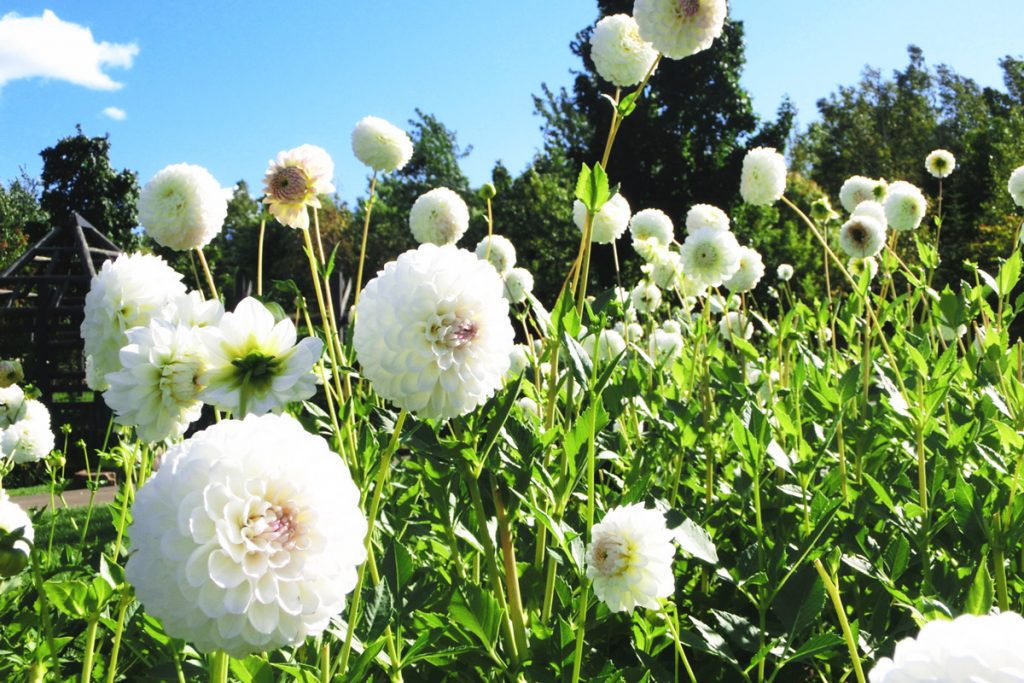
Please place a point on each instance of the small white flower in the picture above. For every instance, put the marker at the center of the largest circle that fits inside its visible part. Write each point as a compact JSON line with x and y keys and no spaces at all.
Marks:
{"x":13,"y":517}
{"x":248,"y":537}
{"x":750,"y":272}
{"x":763,"y":180}
{"x":605,"y":346}
{"x":710,"y":256}
{"x":645,"y":297}
{"x":293,"y":181}
{"x":857,"y":189}
{"x":518,"y":285}
{"x":183,"y":207}
{"x":905,"y":206}
{"x":735,"y":323}
{"x":666,"y":345}
{"x":873,"y":209}
{"x":30,"y":438}
{"x":439,"y":217}
{"x":651,"y":224}
{"x":12,"y":405}
{"x":862,"y":236}
{"x":529,"y":407}
{"x":680,"y":28}
{"x":784,"y":272}
{"x":1016,"y":186}
{"x":380,"y":145}
{"x":619,"y":53}
{"x":858,"y":266}
{"x":629,"y":558}
{"x":630,"y":332}
{"x":254,"y":364}
{"x":610,"y":222}
{"x":648,"y":248}
{"x":520,"y":358}
{"x":672,"y":326}
{"x":498,"y":251}
{"x":706,"y":216}
{"x":665,"y":269}
{"x":940,"y":163}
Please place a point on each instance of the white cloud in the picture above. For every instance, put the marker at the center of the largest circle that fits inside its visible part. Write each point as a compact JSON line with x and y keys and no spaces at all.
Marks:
{"x":115,"y":113}
{"x":48,"y":47}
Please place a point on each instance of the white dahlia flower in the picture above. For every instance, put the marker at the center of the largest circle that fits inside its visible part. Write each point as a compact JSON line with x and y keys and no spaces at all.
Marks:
{"x":192,"y":310}
{"x":672,"y":326}
{"x":763,"y":180}
{"x":31,"y":438}
{"x":710,"y":256}
{"x":645,"y":297}
{"x":750,"y":272}
{"x":433,"y":333}
{"x":629,"y":559}
{"x":381,"y":145}
{"x":874,"y":210}
{"x":10,"y":373}
{"x":706,"y":216}
{"x":12,"y":518}
{"x":652,"y":224}
{"x":439,"y":217}
{"x":648,"y":248}
{"x":248,"y":537}
{"x":905,"y":206}
{"x":519,"y":359}
{"x":12,"y":405}
{"x":254,"y":364}
{"x":630,"y":332}
{"x":610,"y":222}
{"x":666,"y":345}
{"x":734,"y":323}
{"x":293,"y":181}
{"x":858,"y":266}
{"x":127,"y":292}
{"x":518,"y":285}
{"x":157,"y":389}
{"x":680,"y":28}
{"x":1016,"y":186}
{"x":862,"y":236}
{"x":940,"y":163}
{"x":968,"y":649}
{"x":619,"y":53}
{"x":857,"y":189}
{"x":529,"y":407}
{"x":498,"y":251}
{"x":665,"y":269}
{"x":605,"y":346}
{"x":784,"y":272}
{"x":183,"y":207}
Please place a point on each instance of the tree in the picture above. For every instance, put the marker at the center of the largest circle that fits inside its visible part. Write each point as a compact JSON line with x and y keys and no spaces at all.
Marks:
{"x":22,"y":220}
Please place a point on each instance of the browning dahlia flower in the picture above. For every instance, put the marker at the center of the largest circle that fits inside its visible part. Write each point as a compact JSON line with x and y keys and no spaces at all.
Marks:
{"x":380,"y":145}
{"x":293,"y":181}
{"x":680,"y":28}
{"x":183,"y":207}
{"x":862,"y":236}
{"x":619,"y":53}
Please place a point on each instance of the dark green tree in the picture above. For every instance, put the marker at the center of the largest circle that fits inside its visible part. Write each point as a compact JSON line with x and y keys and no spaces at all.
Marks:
{"x":22,"y":220}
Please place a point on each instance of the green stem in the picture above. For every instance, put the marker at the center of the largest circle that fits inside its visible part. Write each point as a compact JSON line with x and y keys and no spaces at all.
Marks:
{"x":508,"y":555}
{"x":673,"y":627}
{"x":115,"y":651}
{"x":206,"y":271}
{"x":219,"y":661}
{"x":833,"y":592}
{"x":90,"y":646}
{"x":325,"y":662}
{"x":44,"y":609}
{"x":581,"y":619}
{"x":259,"y":258}
{"x":362,"y":245}
{"x":999,"y":565}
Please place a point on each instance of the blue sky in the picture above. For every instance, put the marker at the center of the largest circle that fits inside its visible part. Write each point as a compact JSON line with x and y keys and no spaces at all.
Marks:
{"x":228,"y":84}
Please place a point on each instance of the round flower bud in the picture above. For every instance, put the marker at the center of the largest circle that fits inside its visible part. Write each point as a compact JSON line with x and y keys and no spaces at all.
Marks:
{"x":183,"y":207}
{"x":439,"y":217}
{"x":1016,"y":186}
{"x":857,"y":189}
{"x":858,"y":266}
{"x":31,"y":438}
{"x":680,"y":28}
{"x":619,"y":53}
{"x":607,"y":345}
{"x":629,"y":558}
{"x":821,"y":210}
{"x":905,"y":206}
{"x":750,"y":272}
{"x":874,"y":210}
{"x":10,"y":373}
{"x":645,"y":297}
{"x":609,"y":223}
{"x":380,"y":145}
{"x":784,"y":272}
{"x":735,"y":323}
{"x":529,"y":407}
{"x":862,"y":236}
{"x":940,"y":163}
{"x":237,"y":548}
{"x":518,"y":285}
{"x":12,"y":518}
{"x":763,"y":181}
{"x":498,"y":251}
{"x":706,"y":216}
{"x":710,"y":256}
{"x":651,"y":224}
{"x":488,"y":191}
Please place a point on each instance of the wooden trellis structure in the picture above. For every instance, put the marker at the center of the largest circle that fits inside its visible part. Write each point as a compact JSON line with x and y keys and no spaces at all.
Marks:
{"x":42,"y":305}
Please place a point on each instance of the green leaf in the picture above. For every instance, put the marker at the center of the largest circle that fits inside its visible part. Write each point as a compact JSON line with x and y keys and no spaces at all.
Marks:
{"x":981,"y":594}
{"x":592,"y":188}
{"x":477,"y":612}
{"x":628,"y":104}
{"x":817,"y":644}
{"x":693,"y":539}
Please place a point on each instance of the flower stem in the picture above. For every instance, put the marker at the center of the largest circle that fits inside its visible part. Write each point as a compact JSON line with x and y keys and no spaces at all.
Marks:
{"x":90,"y":647}
{"x":833,"y":592}
{"x":673,"y":627}
{"x":44,"y":609}
{"x":508,"y":554}
{"x":366,"y":230}
{"x":116,"y":649}
{"x":259,"y":258}
{"x":219,"y":661}
{"x":581,"y":618}
{"x":206,"y":271}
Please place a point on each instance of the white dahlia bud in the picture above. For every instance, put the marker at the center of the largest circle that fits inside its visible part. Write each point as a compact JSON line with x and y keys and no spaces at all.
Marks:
{"x":672,"y":326}
{"x":750,"y":272}
{"x":736,"y":324}
{"x":645,"y":297}
{"x":967,"y":649}
{"x":12,"y":518}
{"x":857,"y":189}
{"x":784,"y":272}
{"x":652,"y":224}
{"x":529,"y":407}
{"x":821,"y":210}
{"x":874,"y":210}
{"x":10,"y":373}
{"x":940,"y":163}
{"x":629,"y":558}
{"x":31,"y":438}
{"x":1016,"y":186}
{"x":905,"y":206}
{"x":12,"y":405}
{"x":432,"y":331}
{"x":237,"y":548}
{"x":254,"y":364}
{"x":518,"y":285}
{"x":862,"y":236}
{"x":710,"y":256}
{"x":519,"y":358}
{"x":763,"y":180}
{"x":439,"y":217}
{"x":706,"y":216}
{"x":610,"y":222}
{"x":680,"y":28}
{"x":498,"y":251}
{"x":293,"y":181}
{"x":605,"y":346}
{"x":619,"y":53}
{"x":183,"y":207}
{"x":858,"y":266}
{"x":127,"y":292}
{"x":380,"y":145}
{"x":630,"y":332}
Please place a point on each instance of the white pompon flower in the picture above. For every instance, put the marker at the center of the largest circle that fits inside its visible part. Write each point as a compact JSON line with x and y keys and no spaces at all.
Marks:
{"x":605,"y":346}
{"x":439,"y":217}
{"x":680,"y":28}
{"x":750,"y":272}
{"x":763,"y":180}
{"x":734,"y":323}
{"x":645,"y":297}
{"x":610,"y":222}
{"x":665,"y":268}
{"x":519,"y":359}
{"x":127,"y":292}
{"x":874,"y":210}
{"x":248,"y":537}
{"x":432,"y":331}
{"x":862,"y":236}
{"x":968,"y":649}
{"x":157,"y":389}
{"x":666,"y":345}
{"x":648,"y":248}
{"x":380,"y":145}
{"x":857,"y":189}
{"x":254,"y":364}
{"x":12,"y":518}
{"x":31,"y":438}
{"x":652,"y":224}
{"x":710,"y":256}
{"x":706,"y":216}
{"x":498,"y":251}
{"x":629,"y":558}
{"x":183,"y":207}
{"x":529,"y":407}
{"x":858,"y":266}
{"x":619,"y":53}
{"x":630,"y":332}
{"x":784,"y":272}
{"x":293,"y":181}
{"x":940,"y":163}
{"x":905,"y":206}
{"x":1015,"y":186}
{"x":12,"y":405}
{"x":518,"y":285}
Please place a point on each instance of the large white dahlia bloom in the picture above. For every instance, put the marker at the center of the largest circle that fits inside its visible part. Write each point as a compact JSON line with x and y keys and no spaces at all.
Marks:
{"x":248,"y":537}
{"x":439,"y":216}
{"x":968,"y":649}
{"x":940,"y":163}
{"x":750,"y":272}
{"x":680,"y":28}
{"x":666,"y":268}
{"x":905,"y":206}
{"x":433,"y":333}
{"x":763,"y":180}
{"x":1015,"y":186}
{"x":183,"y":207}
{"x":629,"y":559}
{"x":498,"y":251}
{"x":706,"y":216}
{"x":13,"y":517}
{"x":193,"y":310}
{"x":610,"y":222}
{"x":857,"y":189}
{"x":874,"y":210}
{"x":254,"y":363}
{"x":645,"y":297}
{"x":127,"y":292}
{"x":619,"y":53}
{"x":381,"y":145}
{"x":652,"y":224}
{"x":710,"y":256}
